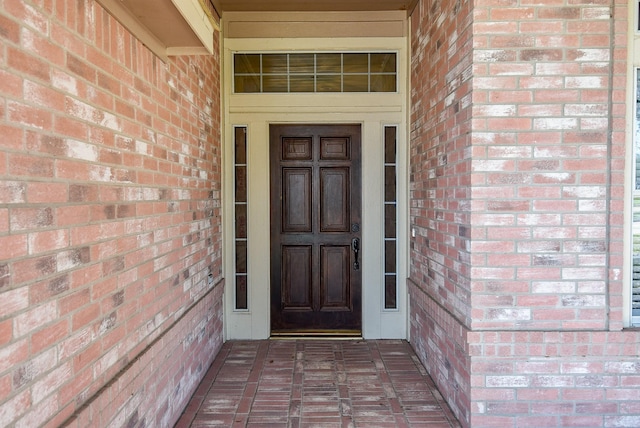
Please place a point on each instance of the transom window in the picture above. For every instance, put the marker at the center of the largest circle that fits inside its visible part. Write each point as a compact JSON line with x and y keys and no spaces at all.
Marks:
{"x":315,"y":72}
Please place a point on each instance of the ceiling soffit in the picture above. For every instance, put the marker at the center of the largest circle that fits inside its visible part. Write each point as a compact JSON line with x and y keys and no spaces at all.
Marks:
{"x":312,"y":5}
{"x":177,"y":27}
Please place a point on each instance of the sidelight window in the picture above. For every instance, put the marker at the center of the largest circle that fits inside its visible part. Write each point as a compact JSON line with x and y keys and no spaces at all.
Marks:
{"x":240,"y":205}
{"x":315,"y":72}
{"x":390,"y":215}
{"x":635,"y":289}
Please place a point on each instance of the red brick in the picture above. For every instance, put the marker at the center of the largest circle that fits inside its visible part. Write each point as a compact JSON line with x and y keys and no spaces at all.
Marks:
{"x":51,"y":382}
{"x":87,"y":357}
{"x":43,"y":96}
{"x":29,"y":116}
{"x":538,"y":394}
{"x":13,"y":354}
{"x":10,"y":83}
{"x":62,"y":71}
{"x":34,"y":318}
{"x":81,"y":68}
{"x":630,"y":407}
{"x":31,"y":166}
{"x":5,"y":387}
{"x":76,"y":389}
{"x":27,"y":63}
{"x":486,"y":421}
{"x":13,"y":246}
{"x":71,"y":127}
{"x":49,"y":336}
{"x":74,"y":301}
{"x":15,"y":406}
{"x":72,"y":215}
{"x":6,"y":332}
{"x":13,"y":192}
{"x":85,"y":316}
{"x":41,"y":242}
{"x":31,"y":218}
{"x":581,"y":421}
{"x":47,"y":193}
{"x":14,"y":301}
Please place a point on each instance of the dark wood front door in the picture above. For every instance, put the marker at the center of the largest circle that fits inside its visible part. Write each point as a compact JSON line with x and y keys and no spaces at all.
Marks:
{"x":315,"y":228}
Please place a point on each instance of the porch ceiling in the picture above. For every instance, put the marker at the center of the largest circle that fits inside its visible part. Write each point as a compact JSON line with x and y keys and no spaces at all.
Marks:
{"x":178,"y":27}
{"x":311,"y":5}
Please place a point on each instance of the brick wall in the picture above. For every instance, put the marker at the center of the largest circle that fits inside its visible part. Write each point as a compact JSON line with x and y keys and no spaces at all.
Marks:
{"x":536,"y":337}
{"x":110,"y":231}
{"x":440,"y":186}
{"x":542,"y":164}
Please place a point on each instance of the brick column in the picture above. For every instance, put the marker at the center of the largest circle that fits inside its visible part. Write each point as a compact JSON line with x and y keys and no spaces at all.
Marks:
{"x":517,"y":164}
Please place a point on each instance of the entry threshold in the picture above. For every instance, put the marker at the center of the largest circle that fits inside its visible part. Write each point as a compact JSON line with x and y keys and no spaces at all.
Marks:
{"x":317,"y":334}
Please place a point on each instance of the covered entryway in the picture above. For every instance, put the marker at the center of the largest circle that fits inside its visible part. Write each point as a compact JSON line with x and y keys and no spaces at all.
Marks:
{"x":341,"y":192}
{"x":315,"y":229}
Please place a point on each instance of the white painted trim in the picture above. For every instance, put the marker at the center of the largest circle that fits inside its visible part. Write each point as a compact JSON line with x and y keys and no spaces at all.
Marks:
{"x":187,"y":50}
{"x":633,"y":63}
{"x":373,"y":111}
{"x":198,"y":20}
{"x":339,"y":25}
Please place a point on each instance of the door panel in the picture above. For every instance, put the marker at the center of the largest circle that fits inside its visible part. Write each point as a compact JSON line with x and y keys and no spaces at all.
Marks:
{"x":315,"y":216}
{"x":297,"y":199}
{"x":334,"y":148}
{"x":296,"y":148}
{"x":335,"y":278}
{"x":334,"y":200}
{"x":296,"y":266}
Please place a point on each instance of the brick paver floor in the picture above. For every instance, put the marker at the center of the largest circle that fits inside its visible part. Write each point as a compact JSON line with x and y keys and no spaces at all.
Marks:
{"x":317,"y":383}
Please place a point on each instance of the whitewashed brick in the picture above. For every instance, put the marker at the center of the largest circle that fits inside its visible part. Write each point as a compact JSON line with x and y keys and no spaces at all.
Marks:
{"x":555,"y":123}
{"x":507,"y":381}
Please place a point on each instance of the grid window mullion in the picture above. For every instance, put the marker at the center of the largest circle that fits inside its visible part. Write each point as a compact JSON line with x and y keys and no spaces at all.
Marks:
{"x":240,"y":218}
{"x":390,"y":293}
{"x":334,"y":77}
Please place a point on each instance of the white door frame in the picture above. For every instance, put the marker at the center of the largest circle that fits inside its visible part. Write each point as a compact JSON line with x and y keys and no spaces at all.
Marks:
{"x":373,"y":111}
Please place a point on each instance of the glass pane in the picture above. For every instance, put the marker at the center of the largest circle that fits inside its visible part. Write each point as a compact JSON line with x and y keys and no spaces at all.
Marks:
{"x":241,"y":145}
{"x":278,"y":73}
{"x":301,"y":63}
{"x":389,"y":221}
{"x":329,"y":63}
{"x":241,"y":292}
{"x":241,"y":221}
{"x":356,"y":63}
{"x":390,"y":256}
{"x":274,"y":64}
{"x":390,"y":144}
{"x":241,"y":184}
{"x":301,"y":83}
{"x":275,"y":84}
{"x":635,"y":298}
{"x":390,"y":183}
{"x":390,"y":292}
{"x":241,"y":256}
{"x":329,"y":83}
{"x":383,"y":83}
{"x":383,"y":63}
{"x":246,"y":63}
{"x":356,"y":83}
{"x":246,"y":84}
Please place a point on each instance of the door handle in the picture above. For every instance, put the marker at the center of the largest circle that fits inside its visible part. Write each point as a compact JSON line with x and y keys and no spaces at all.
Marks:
{"x":355,"y":245}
